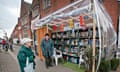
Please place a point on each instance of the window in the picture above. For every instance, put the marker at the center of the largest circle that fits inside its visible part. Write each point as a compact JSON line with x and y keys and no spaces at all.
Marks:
{"x":101,"y":1}
{"x":35,"y":12}
{"x":25,"y":27}
{"x":25,"y":30}
{"x":25,"y":33}
{"x":73,"y":1}
{"x":46,"y":3}
{"x":24,"y":20}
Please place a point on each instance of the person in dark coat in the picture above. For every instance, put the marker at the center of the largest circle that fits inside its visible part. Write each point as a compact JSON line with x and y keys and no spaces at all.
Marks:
{"x":25,"y":52}
{"x":18,"y":41}
{"x":47,"y":50}
{"x":11,"y":44}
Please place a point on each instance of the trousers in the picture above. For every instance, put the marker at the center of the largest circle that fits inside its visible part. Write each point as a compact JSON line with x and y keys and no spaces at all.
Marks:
{"x":48,"y":60}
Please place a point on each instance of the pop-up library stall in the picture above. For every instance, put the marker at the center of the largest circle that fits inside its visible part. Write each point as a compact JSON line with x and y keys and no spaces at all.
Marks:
{"x":80,"y":25}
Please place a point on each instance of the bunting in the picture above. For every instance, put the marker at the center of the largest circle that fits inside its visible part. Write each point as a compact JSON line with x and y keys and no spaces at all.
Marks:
{"x":54,"y":27}
{"x":82,"y":21}
{"x":61,"y":27}
{"x":71,"y":23}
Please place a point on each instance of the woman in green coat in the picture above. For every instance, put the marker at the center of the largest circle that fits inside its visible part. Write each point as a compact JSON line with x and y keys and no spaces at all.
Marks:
{"x":25,"y":52}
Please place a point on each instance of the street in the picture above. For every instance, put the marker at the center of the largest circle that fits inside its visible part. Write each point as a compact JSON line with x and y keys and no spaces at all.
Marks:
{"x":9,"y":63}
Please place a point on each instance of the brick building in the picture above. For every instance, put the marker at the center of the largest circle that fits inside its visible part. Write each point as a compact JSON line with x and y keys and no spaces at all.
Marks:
{"x":49,"y":6}
{"x":112,"y":8}
{"x":23,"y":27}
{"x":30,"y":14}
{"x":17,"y":32}
{"x":25,"y":19}
{"x":35,"y":17}
{"x":14,"y":33}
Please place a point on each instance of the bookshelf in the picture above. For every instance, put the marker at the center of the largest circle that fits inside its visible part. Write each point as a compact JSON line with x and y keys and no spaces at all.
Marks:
{"x":70,"y":42}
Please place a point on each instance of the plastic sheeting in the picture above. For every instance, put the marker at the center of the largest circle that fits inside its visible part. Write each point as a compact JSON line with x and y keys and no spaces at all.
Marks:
{"x":94,"y":11}
{"x":105,"y":26}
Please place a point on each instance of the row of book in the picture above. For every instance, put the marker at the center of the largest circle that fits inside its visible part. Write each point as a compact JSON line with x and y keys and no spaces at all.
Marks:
{"x":74,"y":34}
{"x":76,"y":42}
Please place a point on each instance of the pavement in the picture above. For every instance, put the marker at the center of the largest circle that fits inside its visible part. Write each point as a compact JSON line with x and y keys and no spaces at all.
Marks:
{"x":9,"y":63}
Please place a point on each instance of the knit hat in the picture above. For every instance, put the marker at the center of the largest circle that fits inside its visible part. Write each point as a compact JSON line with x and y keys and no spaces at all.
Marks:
{"x":25,"y":40}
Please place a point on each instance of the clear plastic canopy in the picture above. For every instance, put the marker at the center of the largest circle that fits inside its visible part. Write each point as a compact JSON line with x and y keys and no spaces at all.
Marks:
{"x":94,"y":12}
{"x":106,"y":29}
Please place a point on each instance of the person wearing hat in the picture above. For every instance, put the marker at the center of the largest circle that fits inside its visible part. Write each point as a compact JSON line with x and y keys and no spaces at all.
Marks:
{"x":47,"y":50}
{"x":24,"y":53}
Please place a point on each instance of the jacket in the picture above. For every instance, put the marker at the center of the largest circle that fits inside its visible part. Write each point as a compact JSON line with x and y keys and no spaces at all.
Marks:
{"x":47,"y":47}
{"x":23,"y":53}
{"x":3,"y":42}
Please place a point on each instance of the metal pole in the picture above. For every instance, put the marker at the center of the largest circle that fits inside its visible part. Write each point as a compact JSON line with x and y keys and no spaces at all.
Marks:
{"x":47,"y":27}
{"x":94,"y":42}
{"x":93,"y":46}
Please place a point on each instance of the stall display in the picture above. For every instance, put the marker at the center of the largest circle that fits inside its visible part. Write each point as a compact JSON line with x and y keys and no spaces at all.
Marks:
{"x":79,"y":25}
{"x":70,"y":44}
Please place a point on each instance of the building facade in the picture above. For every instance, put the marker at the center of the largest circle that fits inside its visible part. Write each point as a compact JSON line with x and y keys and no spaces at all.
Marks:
{"x":112,"y":8}
{"x":25,"y":19}
{"x":32,"y":13}
{"x":15,"y":36}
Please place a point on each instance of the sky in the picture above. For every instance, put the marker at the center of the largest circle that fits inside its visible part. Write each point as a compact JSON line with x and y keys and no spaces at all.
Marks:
{"x":9,"y":13}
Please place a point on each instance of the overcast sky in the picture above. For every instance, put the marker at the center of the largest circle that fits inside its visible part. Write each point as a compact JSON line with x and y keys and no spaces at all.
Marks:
{"x":9,"y":13}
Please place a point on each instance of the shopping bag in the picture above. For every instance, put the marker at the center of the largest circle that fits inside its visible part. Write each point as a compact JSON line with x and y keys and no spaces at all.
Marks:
{"x":29,"y":66}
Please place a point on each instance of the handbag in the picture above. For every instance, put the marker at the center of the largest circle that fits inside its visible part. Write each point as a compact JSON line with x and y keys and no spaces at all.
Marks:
{"x":29,"y":66}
